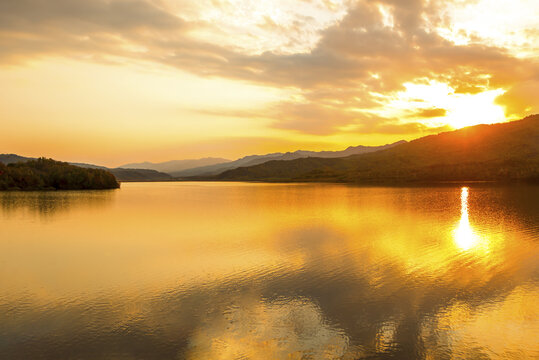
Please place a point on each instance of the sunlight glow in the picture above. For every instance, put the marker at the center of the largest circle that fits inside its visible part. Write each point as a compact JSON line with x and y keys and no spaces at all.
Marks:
{"x":468,"y":110}
{"x":462,"y":109}
{"x":115,"y":82}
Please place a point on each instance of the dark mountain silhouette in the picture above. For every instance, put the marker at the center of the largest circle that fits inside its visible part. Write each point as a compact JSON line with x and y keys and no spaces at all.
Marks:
{"x":175,"y":165}
{"x":47,"y":174}
{"x":120,"y":174}
{"x":498,"y":152}
{"x":260,"y":159}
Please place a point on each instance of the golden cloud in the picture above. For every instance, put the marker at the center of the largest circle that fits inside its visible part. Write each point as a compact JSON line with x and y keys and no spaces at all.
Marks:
{"x":358,"y":64}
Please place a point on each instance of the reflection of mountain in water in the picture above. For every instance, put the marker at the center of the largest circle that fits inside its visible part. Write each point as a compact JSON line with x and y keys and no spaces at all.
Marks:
{"x":52,"y":203}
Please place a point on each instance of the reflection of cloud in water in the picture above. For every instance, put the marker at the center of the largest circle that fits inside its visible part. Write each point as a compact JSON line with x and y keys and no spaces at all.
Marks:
{"x":343,"y":283}
{"x":46,"y":204}
{"x":494,"y":330}
{"x":280,"y":329}
{"x":385,"y":338}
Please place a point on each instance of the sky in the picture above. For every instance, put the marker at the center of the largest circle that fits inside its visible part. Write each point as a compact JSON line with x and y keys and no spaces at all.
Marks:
{"x":117,"y":81}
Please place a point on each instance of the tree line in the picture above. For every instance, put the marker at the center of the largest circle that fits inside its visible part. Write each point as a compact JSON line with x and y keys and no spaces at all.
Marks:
{"x":48,"y":174}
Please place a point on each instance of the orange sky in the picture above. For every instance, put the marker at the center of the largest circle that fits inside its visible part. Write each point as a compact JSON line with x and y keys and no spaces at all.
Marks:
{"x":118,"y":81}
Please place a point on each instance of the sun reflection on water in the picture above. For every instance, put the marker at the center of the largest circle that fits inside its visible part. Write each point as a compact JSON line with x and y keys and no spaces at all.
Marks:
{"x":465,"y":236}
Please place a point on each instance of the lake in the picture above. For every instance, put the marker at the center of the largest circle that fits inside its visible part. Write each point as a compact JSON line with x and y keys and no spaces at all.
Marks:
{"x":182,"y":270}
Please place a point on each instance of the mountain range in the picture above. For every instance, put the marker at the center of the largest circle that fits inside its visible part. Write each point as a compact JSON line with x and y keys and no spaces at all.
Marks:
{"x":169,"y":170}
{"x":499,"y":152}
{"x":260,"y":159}
{"x":173,"y":166}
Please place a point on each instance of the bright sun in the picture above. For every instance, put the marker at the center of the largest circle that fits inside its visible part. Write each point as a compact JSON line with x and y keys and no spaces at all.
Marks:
{"x":467,"y":110}
{"x":461,"y":109}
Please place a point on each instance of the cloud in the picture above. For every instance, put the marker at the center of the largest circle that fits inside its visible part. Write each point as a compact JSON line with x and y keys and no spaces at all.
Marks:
{"x":429,"y":113}
{"x":84,"y":16}
{"x":379,"y":125}
{"x":76,"y":28}
{"x":357,"y":65}
{"x":310,"y":118}
{"x":522,"y":96}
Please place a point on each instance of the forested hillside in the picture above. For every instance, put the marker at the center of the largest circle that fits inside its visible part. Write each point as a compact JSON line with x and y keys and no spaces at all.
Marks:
{"x":498,"y":152}
{"x":48,"y":174}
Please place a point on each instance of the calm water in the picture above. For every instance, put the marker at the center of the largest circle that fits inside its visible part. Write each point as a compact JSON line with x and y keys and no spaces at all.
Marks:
{"x":266,"y":271}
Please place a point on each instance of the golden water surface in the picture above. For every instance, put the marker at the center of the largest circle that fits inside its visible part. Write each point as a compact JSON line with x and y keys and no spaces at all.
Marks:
{"x":270,"y":271}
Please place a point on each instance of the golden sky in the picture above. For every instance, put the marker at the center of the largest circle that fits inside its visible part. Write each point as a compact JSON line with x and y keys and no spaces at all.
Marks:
{"x":116,"y":81}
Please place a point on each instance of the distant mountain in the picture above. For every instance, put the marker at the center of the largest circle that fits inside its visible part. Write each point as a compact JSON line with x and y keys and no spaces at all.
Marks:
{"x":498,"y":152}
{"x":260,"y":159}
{"x":175,"y":165}
{"x":139,"y":175}
{"x":120,"y":174}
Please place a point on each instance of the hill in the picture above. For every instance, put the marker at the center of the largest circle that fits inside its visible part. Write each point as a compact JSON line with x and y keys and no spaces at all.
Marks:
{"x":120,"y":174}
{"x":13,"y":158}
{"x":175,"y":165}
{"x":47,"y":174}
{"x":139,"y":175}
{"x":260,"y":159}
{"x":498,"y":152}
